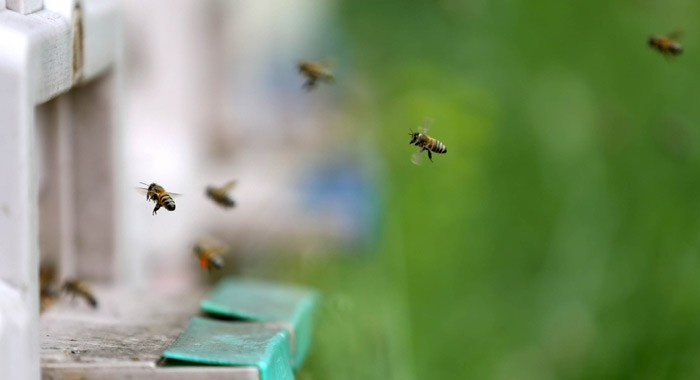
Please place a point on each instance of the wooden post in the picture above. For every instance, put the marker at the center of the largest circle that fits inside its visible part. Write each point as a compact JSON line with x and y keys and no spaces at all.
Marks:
{"x":37,"y":56}
{"x":24,"y":6}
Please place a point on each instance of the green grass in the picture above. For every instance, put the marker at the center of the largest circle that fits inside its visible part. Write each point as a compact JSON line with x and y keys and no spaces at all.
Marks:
{"x":559,"y":237}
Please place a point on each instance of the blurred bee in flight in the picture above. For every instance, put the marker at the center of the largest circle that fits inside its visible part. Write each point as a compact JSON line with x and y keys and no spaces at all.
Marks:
{"x":79,"y":288}
{"x":220,"y":194}
{"x":209,"y":255}
{"x":48,"y":291}
{"x":425,"y":142}
{"x":314,"y":72}
{"x":667,"y":45}
{"x":156,"y":193}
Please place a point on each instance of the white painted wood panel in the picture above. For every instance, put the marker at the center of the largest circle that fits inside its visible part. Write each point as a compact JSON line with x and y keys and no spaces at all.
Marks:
{"x":36,"y":65}
{"x":24,"y":6}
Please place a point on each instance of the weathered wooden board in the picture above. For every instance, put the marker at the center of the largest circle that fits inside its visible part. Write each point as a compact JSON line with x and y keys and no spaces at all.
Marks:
{"x":123,"y":337}
{"x":46,"y":47}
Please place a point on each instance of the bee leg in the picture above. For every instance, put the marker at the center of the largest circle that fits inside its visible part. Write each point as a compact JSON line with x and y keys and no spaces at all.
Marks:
{"x":156,"y":209}
{"x":310,"y":84}
{"x":430,"y":156}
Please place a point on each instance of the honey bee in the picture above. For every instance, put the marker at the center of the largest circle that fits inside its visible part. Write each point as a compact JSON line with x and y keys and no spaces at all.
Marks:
{"x":315,"y":72}
{"x":79,"y":288}
{"x":48,"y":293}
{"x":425,"y":142}
{"x":157,"y":194}
{"x":667,"y":45}
{"x":220,"y":194}
{"x":46,"y":299}
{"x":209,"y":255}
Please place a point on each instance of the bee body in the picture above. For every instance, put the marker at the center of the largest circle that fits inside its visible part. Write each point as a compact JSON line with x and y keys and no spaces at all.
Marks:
{"x":79,"y":288}
{"x":220,"y":194}
{"x":315,"y":72}
{"x":162,"y":198}
{"x":209,"y":256}
{"x":425,"y":142}
{"x":48,"y":291}
{"x":667,"y":45}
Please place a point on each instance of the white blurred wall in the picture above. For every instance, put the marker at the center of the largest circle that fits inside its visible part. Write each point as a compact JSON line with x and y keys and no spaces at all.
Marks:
{"x":212,"y":94}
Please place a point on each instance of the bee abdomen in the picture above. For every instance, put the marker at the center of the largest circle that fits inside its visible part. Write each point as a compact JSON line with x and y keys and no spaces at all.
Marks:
{"x":675,"y":49}
{"x":168,"y":202}
{"x":217,"y":262}
{"x":90,"y":299}
{"x":221,"y":198}
{"x":439,"y":147}
{"x":228,"y":202}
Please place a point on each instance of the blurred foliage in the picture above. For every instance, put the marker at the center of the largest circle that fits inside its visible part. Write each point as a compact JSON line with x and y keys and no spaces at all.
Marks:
{"x":558,"y":237}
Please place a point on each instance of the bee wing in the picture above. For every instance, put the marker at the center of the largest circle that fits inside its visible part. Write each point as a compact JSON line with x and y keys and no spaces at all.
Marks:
{"x":212,"y":245}
{"x":220,"y":250}
{"x":143,"y":190}
{"x":675,"y":35}
{"x":328,"y":65}
{"x":329,"y":62}
{"x":229,"y":185}
{"x":418,"y":158}
{"x":427,"y":123}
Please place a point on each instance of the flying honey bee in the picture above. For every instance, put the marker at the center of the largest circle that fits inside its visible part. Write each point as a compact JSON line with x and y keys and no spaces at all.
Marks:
{"x":156,"y":193}
{"x":315,"y":72}
{"x":46,"y":299}
{"x":209,"y":255}
{"x":425,"y":142}
{"x":48,"y":292}
{"x":667,"y":45}
{"x":79,"y":288}
{"x":220,"y":194}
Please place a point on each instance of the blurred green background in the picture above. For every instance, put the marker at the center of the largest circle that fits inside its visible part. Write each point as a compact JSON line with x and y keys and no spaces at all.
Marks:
{"x":558,"y":237}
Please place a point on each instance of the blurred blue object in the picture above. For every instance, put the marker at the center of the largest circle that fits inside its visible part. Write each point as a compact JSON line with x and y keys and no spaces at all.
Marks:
{"x":346,"y":192}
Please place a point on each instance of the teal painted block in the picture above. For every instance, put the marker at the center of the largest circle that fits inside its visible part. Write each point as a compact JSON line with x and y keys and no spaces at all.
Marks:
{"x":214,"y":342}
{"x":266,"y":302}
